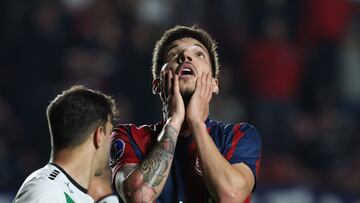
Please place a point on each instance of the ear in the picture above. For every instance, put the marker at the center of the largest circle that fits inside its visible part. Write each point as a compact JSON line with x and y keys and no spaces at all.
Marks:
{"x":215,"y":84}
{"x":156,"y":86}
{"x":98,"y":137}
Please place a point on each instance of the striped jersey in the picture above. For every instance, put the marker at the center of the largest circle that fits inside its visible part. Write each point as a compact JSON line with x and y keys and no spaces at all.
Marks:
{"x":238,"y":143}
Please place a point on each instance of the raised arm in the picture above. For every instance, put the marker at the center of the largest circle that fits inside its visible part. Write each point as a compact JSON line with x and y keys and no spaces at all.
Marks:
{"x":144,"y":182}
{"x":225,"y":182}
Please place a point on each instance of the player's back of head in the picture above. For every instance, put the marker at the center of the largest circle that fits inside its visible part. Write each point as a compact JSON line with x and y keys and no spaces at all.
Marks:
{"x":75,"y":113}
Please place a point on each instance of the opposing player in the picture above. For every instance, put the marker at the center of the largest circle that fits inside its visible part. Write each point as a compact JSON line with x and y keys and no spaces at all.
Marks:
{"x":80,"y":123}
{"x":187,"y":157}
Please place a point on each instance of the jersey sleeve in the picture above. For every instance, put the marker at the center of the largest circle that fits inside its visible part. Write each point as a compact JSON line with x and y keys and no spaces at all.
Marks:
{"x":123,"y":148}
{"x":245,"y":147}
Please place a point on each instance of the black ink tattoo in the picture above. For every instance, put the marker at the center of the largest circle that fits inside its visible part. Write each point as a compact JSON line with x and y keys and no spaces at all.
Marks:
{"x":159,"y":160}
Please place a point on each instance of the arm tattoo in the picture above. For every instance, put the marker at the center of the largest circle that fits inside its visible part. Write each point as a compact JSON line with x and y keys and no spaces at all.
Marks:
{"x":154,"y":167}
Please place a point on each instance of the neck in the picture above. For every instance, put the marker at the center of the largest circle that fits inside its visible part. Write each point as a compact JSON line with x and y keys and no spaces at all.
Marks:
{"x":77,"y":162}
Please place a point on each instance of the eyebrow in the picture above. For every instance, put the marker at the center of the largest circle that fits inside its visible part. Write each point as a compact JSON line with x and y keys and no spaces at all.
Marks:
{"x":196,"y":44}
{"x":199,"y":45}
{"x":173,"y":46}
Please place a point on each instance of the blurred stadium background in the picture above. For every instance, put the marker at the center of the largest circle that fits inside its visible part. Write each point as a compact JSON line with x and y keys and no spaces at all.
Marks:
{"x":289,"y":67}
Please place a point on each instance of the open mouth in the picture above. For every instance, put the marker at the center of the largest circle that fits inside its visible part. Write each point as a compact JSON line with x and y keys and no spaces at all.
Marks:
{"x":186,"y":70}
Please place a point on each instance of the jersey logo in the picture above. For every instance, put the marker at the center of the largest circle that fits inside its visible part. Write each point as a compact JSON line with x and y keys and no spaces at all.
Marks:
{"x":68,"y":198}
{"x":53,"y":174}
{"x":117,"y":150}
{"x":197,"y":167}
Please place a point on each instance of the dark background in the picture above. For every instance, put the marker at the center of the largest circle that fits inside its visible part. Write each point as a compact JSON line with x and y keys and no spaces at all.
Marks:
{"x":289,"y":67}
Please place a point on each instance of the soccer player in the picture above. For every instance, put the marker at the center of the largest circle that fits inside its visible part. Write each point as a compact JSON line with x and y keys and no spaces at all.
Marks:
{"x":80,"y":123}
{"x":187,"y":157}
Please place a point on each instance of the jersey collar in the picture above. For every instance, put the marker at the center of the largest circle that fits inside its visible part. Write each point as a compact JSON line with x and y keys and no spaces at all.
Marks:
{"x":81,"y":188}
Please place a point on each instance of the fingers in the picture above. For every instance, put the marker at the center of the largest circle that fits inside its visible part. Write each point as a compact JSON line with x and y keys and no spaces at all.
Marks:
{"x":204,"y":86}
{"x":200,"y":84}
{"x":164,"y":82}
{"x":176,"y":88}
{"x":169,"y":84}
{"x":166,"y":77}
{"x":209,"y":87}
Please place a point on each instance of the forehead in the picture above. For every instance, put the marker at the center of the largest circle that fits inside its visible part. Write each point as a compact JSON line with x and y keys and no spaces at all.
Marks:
{"x":185,"y":42}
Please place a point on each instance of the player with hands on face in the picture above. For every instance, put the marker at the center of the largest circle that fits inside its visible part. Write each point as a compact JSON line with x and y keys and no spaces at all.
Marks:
{"x":187,"y":157}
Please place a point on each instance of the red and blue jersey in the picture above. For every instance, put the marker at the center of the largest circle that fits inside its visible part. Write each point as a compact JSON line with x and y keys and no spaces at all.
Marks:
{"x":238,"y":143}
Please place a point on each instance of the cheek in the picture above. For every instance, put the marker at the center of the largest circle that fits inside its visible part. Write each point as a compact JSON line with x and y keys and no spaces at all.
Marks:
{"x":204,"y":67}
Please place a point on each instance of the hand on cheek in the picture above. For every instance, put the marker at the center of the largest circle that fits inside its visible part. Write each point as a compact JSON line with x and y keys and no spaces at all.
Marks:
{"x":198,"y":107}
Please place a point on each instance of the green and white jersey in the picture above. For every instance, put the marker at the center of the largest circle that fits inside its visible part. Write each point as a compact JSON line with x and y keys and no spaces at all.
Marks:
{"x":52,"y":184}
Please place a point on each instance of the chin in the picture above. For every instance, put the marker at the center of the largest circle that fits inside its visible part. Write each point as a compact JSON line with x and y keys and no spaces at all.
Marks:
{"x":186,"y":94}
{"x":185,"y":91}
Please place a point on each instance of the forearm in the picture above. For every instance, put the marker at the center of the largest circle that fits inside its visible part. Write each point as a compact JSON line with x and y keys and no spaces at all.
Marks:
{"x":224,"y":182}
{"x":146,"y":181}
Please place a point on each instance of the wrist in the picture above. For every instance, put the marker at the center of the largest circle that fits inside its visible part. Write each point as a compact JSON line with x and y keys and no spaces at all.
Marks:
{"x":194,"y":121}
{"x":175,"y":122}
{"x":195,"y":124}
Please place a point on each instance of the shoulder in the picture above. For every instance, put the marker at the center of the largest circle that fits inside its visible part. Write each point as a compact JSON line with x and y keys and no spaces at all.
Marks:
{"x":38,"y":187}
{"x":246,"y":131}
{"x":247,"y":140}
{"x":234,"y":132}
{"x":131,"y":141}
{"x":231,"y":128}
{"x":124,"y":131}
{"x":131,"y":128}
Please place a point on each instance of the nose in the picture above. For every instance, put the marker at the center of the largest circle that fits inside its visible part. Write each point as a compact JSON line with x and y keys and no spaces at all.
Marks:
{"x":184,"y":56}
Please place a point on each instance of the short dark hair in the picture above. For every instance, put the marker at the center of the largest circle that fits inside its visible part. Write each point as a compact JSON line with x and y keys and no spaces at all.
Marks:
{"x":179,"y":32}
{"x":74,"y":113}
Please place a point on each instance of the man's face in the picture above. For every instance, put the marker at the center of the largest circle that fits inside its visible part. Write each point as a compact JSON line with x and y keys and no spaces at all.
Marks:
{"x":188,"y":58}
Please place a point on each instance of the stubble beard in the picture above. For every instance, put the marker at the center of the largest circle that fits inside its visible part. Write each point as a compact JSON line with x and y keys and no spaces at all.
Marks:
{"x":186,"y":94}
